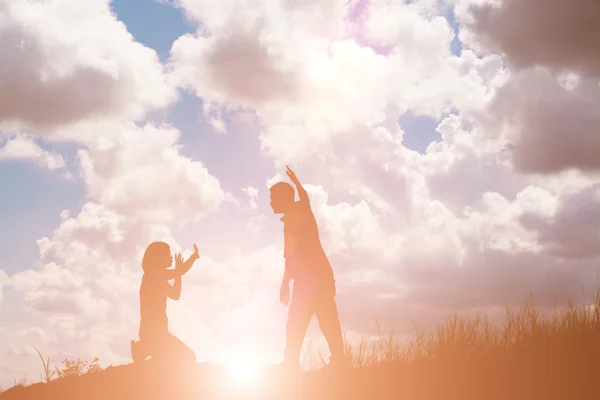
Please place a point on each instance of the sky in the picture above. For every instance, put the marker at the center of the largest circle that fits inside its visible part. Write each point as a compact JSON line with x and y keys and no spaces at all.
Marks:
{"x":449,"y":148}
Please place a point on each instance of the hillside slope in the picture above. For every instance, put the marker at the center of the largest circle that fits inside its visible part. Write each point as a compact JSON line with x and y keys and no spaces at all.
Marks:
{"x":510,"y":378}
{"x":531,"y":357}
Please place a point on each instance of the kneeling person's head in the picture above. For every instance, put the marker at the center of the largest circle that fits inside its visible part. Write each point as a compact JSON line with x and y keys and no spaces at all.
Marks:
{"x":156,"y":257}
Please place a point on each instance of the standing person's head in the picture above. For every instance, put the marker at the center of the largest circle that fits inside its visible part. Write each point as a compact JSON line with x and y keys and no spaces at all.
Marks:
{"x":282,"y":197}
{"x":156,"y":257}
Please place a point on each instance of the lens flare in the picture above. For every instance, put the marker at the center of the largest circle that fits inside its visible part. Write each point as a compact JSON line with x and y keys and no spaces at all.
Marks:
{"x":243,"y":371}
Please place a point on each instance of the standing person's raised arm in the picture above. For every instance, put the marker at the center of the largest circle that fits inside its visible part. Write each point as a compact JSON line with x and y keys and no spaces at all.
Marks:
{"x":302,"y":194}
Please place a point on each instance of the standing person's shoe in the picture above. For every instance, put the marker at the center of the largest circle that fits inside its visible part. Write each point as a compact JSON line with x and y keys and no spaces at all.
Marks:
{"x":337,"y":365}
{"x":134,"y":350}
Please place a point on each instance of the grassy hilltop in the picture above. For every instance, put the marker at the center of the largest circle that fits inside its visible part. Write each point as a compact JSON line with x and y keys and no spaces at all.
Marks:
{"x":530,"y":357}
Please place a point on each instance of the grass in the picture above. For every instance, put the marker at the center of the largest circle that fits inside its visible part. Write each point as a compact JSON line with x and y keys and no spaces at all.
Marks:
{"x":22,"y":381}
{"x":533,"y":354}
{"x":525,"y":330}
{"x":48,"y":373}
{"x":70,"y":368}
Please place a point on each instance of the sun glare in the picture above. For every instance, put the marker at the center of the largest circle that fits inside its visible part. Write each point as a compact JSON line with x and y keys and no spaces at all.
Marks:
{"x":243,"y":371}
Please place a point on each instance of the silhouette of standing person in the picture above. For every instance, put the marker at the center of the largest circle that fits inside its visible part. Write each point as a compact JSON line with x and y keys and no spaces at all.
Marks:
{"x":308,"y":266}
{"x":155,"y":339}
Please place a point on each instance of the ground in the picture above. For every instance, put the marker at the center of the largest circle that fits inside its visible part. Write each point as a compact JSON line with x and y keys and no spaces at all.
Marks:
{"x":533,"y":356}
{"x":473,"y":379}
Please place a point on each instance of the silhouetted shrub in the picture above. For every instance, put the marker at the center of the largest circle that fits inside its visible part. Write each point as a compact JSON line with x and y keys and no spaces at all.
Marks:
{"x":70,"y":368}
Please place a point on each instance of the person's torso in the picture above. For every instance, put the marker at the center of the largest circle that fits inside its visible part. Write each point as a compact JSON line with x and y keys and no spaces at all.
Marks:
{"x":303,"y":245}
{"x":153,"y":301}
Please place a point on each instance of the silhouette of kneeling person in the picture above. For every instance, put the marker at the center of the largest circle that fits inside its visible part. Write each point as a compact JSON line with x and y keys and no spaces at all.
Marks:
{"x":308,"y":266}
{"x":155,"y":339}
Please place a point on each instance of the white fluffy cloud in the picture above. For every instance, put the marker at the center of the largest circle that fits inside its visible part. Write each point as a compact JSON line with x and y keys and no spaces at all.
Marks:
{"x":24,"y":147}
{"x":549,"y":108}
{"x":139,"y":171}
{"x":558,"y":34}
{"x":321,"y":87}
{"x":572,"y":228}
{"x":63,"y":62}
{"x":4,"y":279}
{"x":550,"y":127}
{"x":252,"y":194}
{"x":444,"y":262}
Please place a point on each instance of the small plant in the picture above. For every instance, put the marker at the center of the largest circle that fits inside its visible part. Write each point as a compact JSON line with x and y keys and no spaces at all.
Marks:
{"x":77,"y":367}
{"x":71,"y":368}
{"x":48,"y":373}
{"x":21,"y":381}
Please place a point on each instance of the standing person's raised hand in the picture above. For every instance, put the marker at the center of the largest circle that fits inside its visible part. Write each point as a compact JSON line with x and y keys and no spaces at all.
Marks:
{"x":291,"y":175}
{"x":195,"y":254}
{"x":302,"y":194}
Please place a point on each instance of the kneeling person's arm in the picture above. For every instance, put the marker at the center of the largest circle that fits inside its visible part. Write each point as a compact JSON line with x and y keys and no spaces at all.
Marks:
{"x":174,"y":291}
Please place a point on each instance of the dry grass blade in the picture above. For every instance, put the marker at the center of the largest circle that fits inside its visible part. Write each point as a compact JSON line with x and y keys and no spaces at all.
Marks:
{"x":21,"y":381}
{"x":47,"y":371}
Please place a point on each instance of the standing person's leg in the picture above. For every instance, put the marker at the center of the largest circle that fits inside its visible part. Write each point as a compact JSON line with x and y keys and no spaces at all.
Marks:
{"x":329,"y":322}
{"x":299,"y":315}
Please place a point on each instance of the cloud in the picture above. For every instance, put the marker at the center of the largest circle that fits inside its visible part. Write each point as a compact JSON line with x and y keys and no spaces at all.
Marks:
{"x":336,"y":85}
{"x":548,"y":108}
{"x":572,"y":230}
{"x":255,"y":220}
{"x":139,"y":171}
{"x":553,"y":33}
{"x":444,"y":263}
{"x":270,"y":69}
{"x":24,"y":147}
{"x":550,"y":127}
{"x":4,"y":279}
{"x":67,"y":62}
{"x":252,"y":194}
{"x":467,"y":163}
